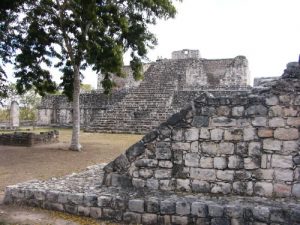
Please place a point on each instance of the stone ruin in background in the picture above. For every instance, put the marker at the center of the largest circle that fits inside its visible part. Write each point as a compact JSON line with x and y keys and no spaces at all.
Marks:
{"x":230,"y":160}
{"x":139,"y":106}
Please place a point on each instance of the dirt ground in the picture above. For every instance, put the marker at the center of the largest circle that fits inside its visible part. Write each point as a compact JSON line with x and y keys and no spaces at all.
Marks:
{"x":19,"y":164}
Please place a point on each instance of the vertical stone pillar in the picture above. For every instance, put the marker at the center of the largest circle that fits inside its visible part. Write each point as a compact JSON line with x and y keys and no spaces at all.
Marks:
{"x":14,"y":114}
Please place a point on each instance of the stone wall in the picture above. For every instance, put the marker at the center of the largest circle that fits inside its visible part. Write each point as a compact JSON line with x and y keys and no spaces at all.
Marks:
{"x":245,"y":145}
{"x":57,"y":109}
{"x":222,"y":160}
{"x":29,"y":139}
{"x":137,"y":107}
{"x":186,"y":54}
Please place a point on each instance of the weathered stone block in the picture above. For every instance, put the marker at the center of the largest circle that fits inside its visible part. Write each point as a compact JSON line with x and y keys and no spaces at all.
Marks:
{"x":199,"y":186}
{"x":177,"y":135}
{"x":235,"y":162}
{"x":221,"y":188}
{"x":163,"y":173}
{"x":259,"y":121}
{"x":191,"y":134}
{"x":163,"y":150}
{"x":249,"y":134}
{"x":256,"y":110}
{"x":167,"y":185}
{"x":254,"y":149}
{"x":296,"y":190}
{"x":209,"y":148}
{"x":191,"y":159}
{"x":136,"y":205}
{"x":239,"y":187}
{"x":282,"y":190}
{"x":165,"y":164}
{"x":152,"y":184}
{"x":261,"y":213}
{"x":135,"y":151}
{"x":251,"y":163}
{"x":216,"y":134}
{"x":215,"y":210}
{"x":223,"y":111}
{"x":183,"y":185}
{"x":233,"y":135}
{"x":109,"y":214}
{"x":273,"y":100}
{"x":223,"y":122}
{"x":286,"y":133}
{"x":275,"y":111}
{"x":265,"y":133}
{"x":181,"y":146}
{"x":226,"y":175}
{"x":195,"y":146}
{"x":118,"y":180}
{"x":83,"y":211}
{"x":180,"y":220}
{"x":138,"y":183}
{"x":266,"y":161}
{"x":204,"y":133}
{"x":290,"y":112}
{"x":293,"y":121}
{"x":149,"y":219}
{"x":203,"y":174}
{"x":281,"y":161}
{"x":220,"y":162}
{"x":96,"y":213}
{"x":284,"y":174}
{"x":72,"y":209}
{"x":226,"y":148}
{"x":200,"y":121}
{"x":242,"y":149}
{"x":276,"y":122}
{"x":145,"y":173}
{"x":263,"y":189}
{"x":167,"y":207}
{"x":220,"y":221}
{"x":207,"y":162}
{"x":152,"y":205}
{"x":290,"y":146}
{"x":183,"y":208}
{"x":263,"y":174}
{"x":133,"y":218}
{"x":146,"y":163}
{"x":238,"y":111}
{"x":199,"y":209}
{"x":272,"y":144}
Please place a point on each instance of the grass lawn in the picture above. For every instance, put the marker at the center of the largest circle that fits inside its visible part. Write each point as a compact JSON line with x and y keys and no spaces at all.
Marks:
{"x":19,"y":164}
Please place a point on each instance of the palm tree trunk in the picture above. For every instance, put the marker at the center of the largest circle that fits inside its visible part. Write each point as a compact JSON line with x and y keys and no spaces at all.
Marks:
{"x":75,"y":145}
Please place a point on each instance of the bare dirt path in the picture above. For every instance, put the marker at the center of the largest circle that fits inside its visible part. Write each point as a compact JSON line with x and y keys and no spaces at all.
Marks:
{"x":20,"y":164}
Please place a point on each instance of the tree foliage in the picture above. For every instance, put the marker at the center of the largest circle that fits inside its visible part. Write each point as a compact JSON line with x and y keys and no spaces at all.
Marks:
{"x":81,"y":33}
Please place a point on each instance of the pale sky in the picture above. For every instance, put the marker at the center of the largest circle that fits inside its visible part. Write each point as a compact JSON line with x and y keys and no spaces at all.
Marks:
{"x":267,"y":32}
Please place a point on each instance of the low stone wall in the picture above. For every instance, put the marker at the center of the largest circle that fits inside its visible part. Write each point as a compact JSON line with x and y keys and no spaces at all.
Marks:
{"x":29,"y":139}
{"x":82,"y":194}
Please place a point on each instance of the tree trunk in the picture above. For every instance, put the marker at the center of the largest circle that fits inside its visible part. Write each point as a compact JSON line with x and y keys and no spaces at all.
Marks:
{"x":75,"y":145}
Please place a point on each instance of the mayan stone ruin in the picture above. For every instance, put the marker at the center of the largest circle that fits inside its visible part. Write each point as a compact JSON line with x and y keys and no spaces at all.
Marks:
{"x":139,"y":106}
{"x":221,"y":160}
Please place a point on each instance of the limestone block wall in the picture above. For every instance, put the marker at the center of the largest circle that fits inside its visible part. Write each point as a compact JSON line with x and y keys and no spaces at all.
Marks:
{"x":57,"y":109}
{"x":185,"y":54}
{"x":29,"y":139}
{"x":245,"y":145}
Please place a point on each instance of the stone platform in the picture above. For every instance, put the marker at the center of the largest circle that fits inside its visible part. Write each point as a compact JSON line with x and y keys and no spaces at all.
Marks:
{"x":83,"y":194}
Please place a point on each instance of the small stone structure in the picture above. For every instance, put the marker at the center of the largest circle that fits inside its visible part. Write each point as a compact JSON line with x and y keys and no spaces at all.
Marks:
{"x":14,"y":115}
{"x":139,"y":106}
{"x":29,"y":139}
{"x":222,"y":160}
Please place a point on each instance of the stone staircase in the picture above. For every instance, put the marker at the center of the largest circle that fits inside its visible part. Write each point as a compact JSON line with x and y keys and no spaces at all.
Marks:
{"x":145,"y":106}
